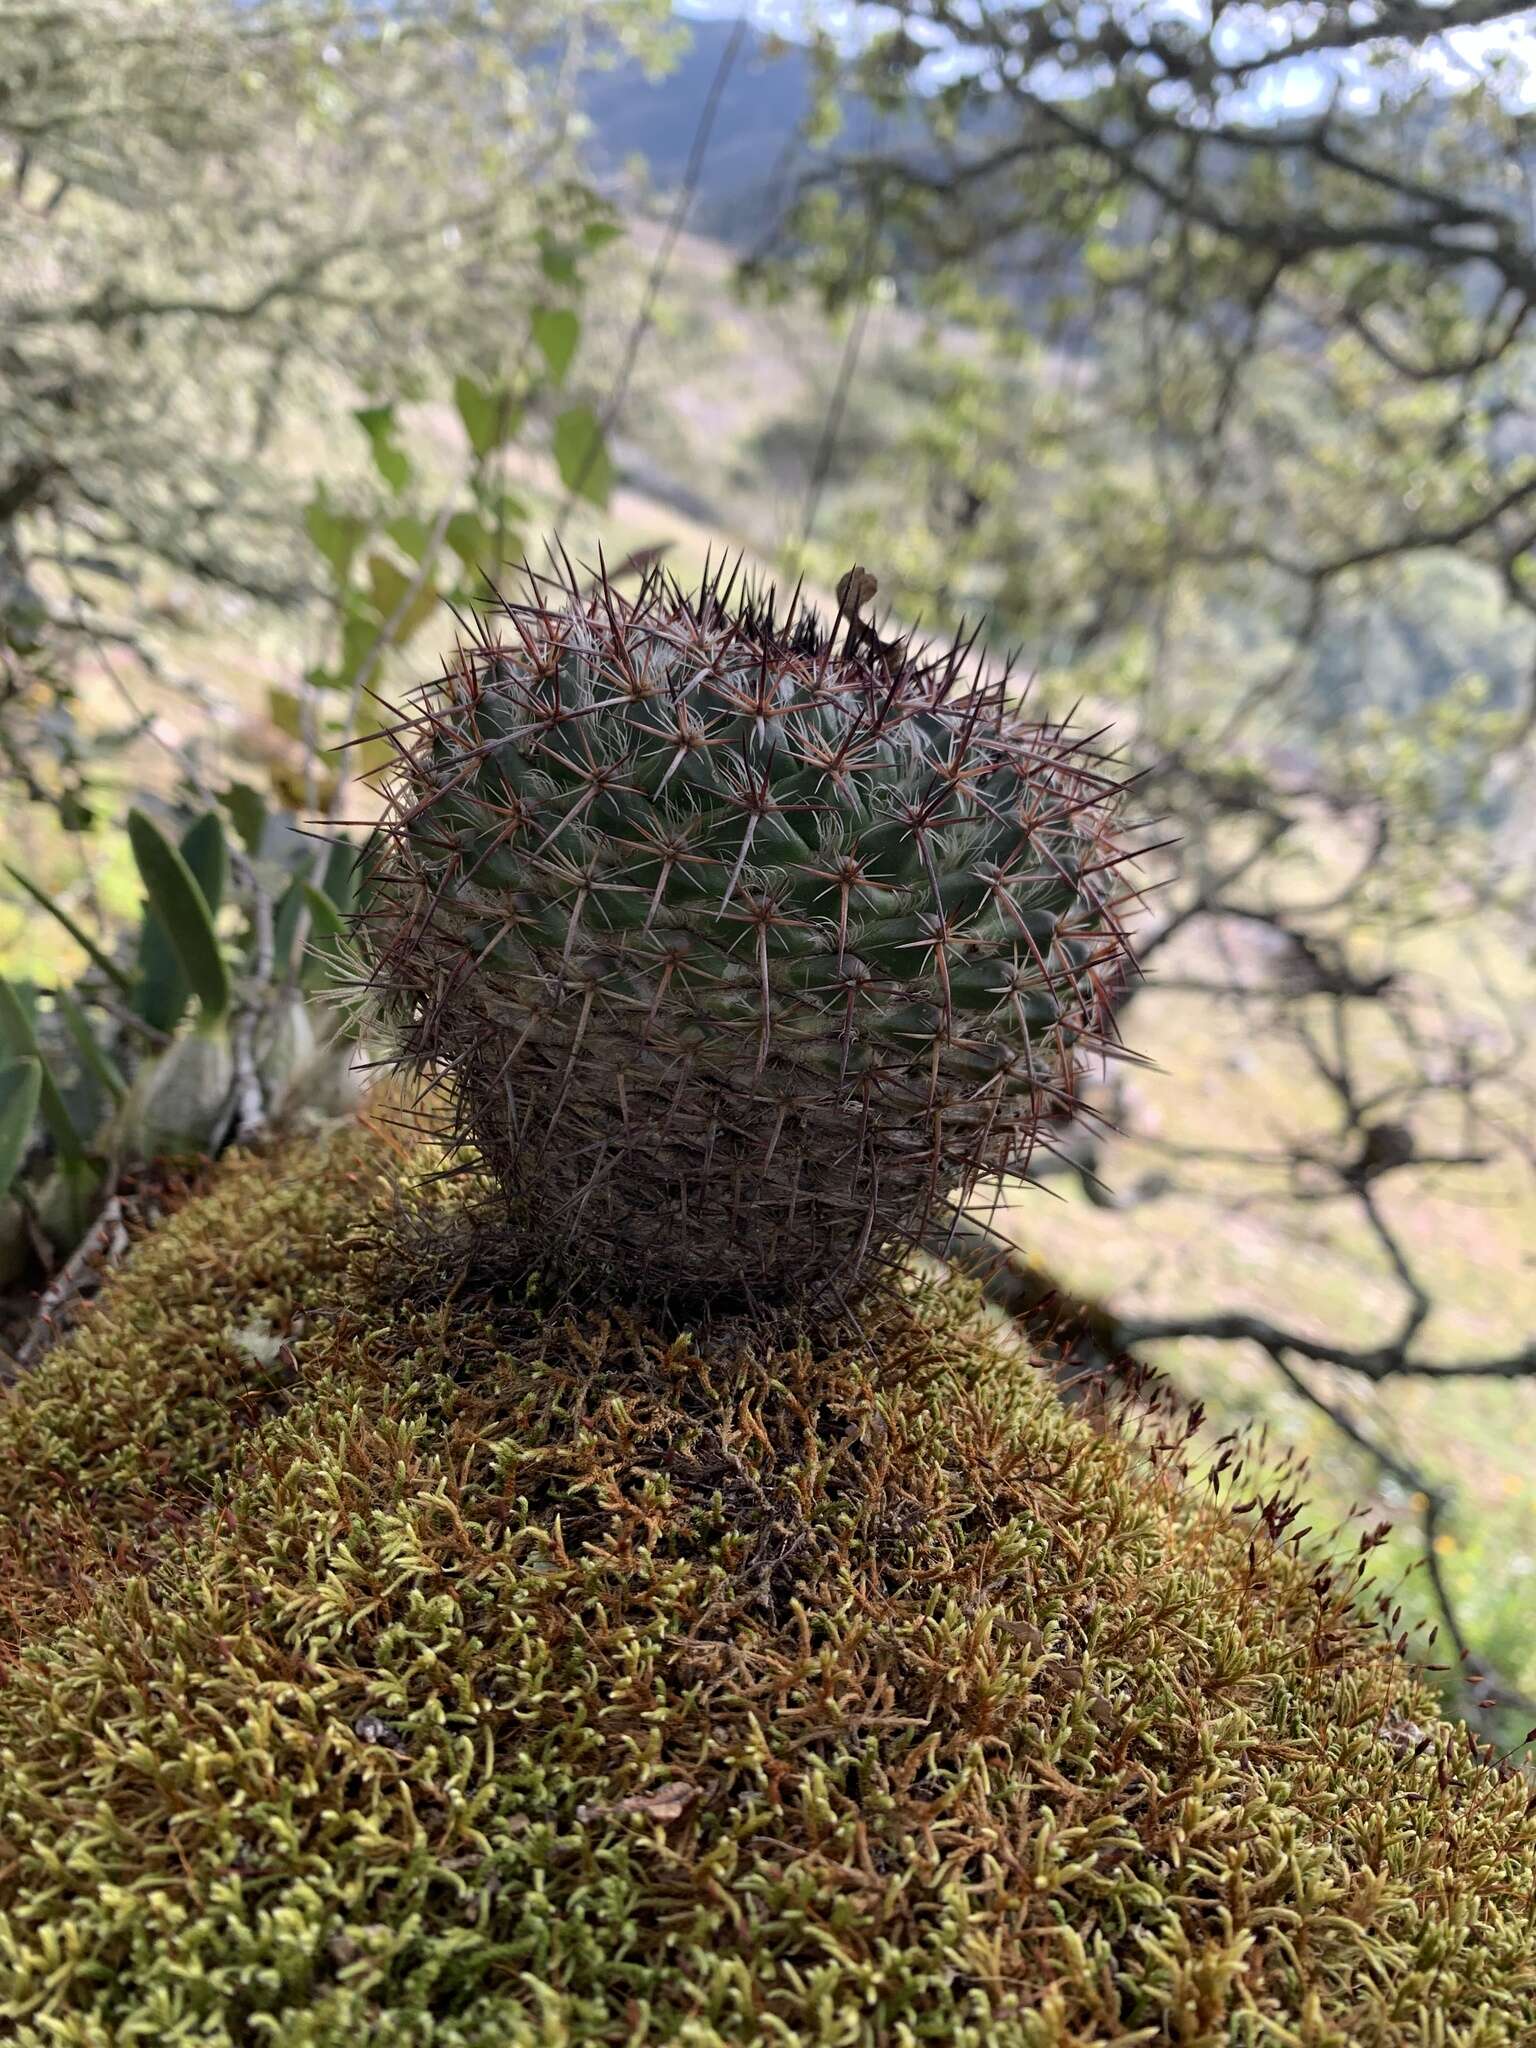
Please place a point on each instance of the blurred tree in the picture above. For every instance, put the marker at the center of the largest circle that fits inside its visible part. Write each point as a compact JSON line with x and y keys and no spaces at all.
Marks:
{"x":221,"y":221}
{"x":1232,"y":361}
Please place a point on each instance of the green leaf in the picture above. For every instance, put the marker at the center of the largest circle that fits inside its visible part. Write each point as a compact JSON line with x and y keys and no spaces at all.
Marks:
{"x":160,"y":995}
{"x":469,"y":538}
{"x":206,"y":853}
{"x":389,"y":458}
{"x":582,"y":454}
{"x":389,"y":587}
{"x":248,"y":813}
{"x":184,"y":911}
{"x":337,"y":535}
{"x":340,"y":879}
{"x":19,"y":1039}
{"x":161,"y":992}
{"x":26,"y":996}
{"x":93,"y":1057}
{"x":556,"y":331}
{"x":82,"y":938}
{"x":285,"y":920}
{"x":483,"y":540}
{"x":327,"y":930}
{"x":286,"y":711}
{"x":410,"y":535}
{"x":489,"y":414}
{"x":557,"y":259}
{"x":327,"y":926}
{"x":325,"y":920}
{"x":359,"y":638}
{"x":20,"y":1086}
{"x":597,"y":234}
{"x":387,"y":584}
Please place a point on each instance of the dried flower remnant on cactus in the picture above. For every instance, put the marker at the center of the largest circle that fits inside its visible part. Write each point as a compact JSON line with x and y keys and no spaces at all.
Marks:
{"x":741,"y":947}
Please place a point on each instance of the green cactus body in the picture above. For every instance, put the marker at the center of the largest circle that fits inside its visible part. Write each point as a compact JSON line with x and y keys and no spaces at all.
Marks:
{"x":741,"y":948}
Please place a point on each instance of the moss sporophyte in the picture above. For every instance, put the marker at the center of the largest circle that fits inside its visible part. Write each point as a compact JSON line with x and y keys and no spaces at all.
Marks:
{"x":447,"y":1669}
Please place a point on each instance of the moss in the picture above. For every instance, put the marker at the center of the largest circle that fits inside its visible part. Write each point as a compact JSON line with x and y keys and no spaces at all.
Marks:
{"x":392,"y":1668}
{"x":117,"y":1441}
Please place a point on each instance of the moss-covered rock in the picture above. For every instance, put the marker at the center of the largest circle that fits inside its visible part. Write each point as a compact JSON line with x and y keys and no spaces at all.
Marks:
{"x":383,"y":1669}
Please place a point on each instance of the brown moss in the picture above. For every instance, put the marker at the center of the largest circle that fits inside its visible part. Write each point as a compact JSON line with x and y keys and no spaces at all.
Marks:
{"x":123,"y":1431}
{"x":481,"y":1677}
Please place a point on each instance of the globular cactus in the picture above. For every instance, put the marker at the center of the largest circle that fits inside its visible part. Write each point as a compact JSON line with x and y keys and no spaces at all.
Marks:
{"x":741,"y":948}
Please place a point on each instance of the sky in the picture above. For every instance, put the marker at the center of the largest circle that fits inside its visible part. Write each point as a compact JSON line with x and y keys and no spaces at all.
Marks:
{"x":1458,"y":57}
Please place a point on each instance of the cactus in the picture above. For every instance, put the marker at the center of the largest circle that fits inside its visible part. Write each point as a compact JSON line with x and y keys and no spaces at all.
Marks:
{"x":741,"y":948}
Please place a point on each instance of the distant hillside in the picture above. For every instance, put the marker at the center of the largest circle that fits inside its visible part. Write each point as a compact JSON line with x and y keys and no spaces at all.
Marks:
{"x":755,"y":145}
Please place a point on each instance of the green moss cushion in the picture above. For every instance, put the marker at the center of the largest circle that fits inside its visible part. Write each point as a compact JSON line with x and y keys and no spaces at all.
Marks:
{"x":379,"y":1671}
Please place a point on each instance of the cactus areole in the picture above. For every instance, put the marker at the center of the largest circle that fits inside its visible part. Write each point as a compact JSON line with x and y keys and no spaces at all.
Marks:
{"x":743,"y":946}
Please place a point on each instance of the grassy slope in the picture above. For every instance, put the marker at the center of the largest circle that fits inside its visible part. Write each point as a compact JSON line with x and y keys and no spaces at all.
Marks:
{"x":382,"y":1667}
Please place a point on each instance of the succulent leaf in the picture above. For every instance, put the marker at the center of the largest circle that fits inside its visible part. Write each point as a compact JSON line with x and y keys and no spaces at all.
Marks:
{"x":205,"y":850}
{"x":325,"y":951}
{"x":163,"y":991}
{"x":97,"y":1062}
{"x":184,"y":909}
{"x":20,"y":1086}
{"x":248,"y":812}
{"x":325,"y":920}
{"x":339,"y":882}
{"x":285,"y":925}
{"x":18,"y":1038}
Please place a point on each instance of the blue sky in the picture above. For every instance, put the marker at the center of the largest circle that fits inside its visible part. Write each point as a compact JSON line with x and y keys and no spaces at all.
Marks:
{"x":1459,"y":57}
